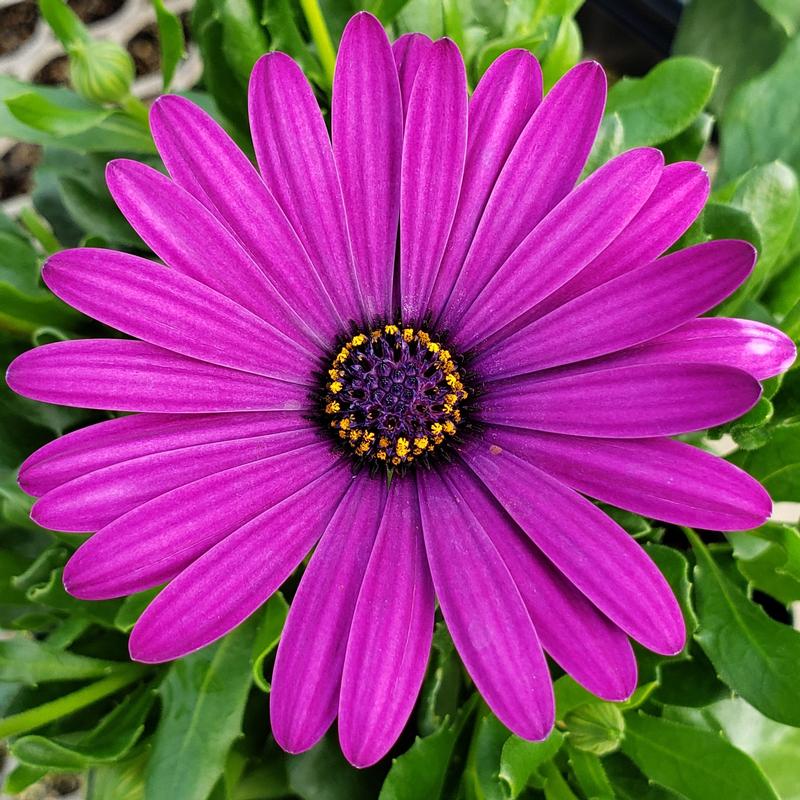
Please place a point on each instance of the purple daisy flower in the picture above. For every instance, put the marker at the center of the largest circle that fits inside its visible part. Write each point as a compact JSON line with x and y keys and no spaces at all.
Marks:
{"x":421,"y":348}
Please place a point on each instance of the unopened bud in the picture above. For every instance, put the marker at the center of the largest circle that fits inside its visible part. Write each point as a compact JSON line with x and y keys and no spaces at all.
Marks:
{"x":101,"y":71}
{"x":596,"y":727}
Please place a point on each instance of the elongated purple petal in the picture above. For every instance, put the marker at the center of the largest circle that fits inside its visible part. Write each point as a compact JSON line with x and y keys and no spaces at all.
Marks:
{"x":625,"y":402}
{"x":204,"y":160}
{"x":579,"y":638}
{"x":311,"y":653}
{"x":367,"y":125}
{"x":124,"y":438}
{"x":502,"y":104}
{"x":434,"y":150}
{"x":542,"y":169}
{"x":156,"y":541}
{"x":124,"y":375}
{"x":595,"y":553}
{"x":163,"y":307}
{"x":296,"y":161}
{"x":390,"y":637}
{"x":660,"y":478}
{"x":188,"y":237}
{"x":756,"y":348}
{"x":628,"y":310}
{"x":98,"y":498}
{"x":226,"y":585}
{"x":409,"y":51}
{"x":675,"y":203}
{"x":484,"y":612}
{"x":567,"y":239}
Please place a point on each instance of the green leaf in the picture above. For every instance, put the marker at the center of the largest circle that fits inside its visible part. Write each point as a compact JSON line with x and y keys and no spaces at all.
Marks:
{"x":665,"y":102}
{"x":696,"y":763}
{"x":278,"y":17}
{"x":421,"y":770}
{"x":203,"y":699}
{"x":30,"y":662}
{"x":268,"y":636}
{"x":769,"y":194}
{"x":777,"y":464}
{"x":110,"y":741}
{"x":564,"y":53}
{"x":480,"y":778}
{"x":755,"y":655}
{"x":132,"y":608}
{"x":722,"y":32}
{"x":170,"y":38}
{"x":589,"y":773}
{"x":120,"y":781}
{"x":21,"y":777}
{"x":385,"y":10}
{"x":629,"y":783}
{"x":787,"y":12}
{"x":323,"y":774}
{"x":440,"y":690}
{"x":521,"y":759}
{"x":37,"y":112}
{"x":243,"y":40}
{"x":769,"y":557}
{"x":761,"y":122}
{"x":690,"y":143}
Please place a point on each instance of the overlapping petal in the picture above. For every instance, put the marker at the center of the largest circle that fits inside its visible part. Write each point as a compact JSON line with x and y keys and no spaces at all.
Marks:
{"x":659,"y":478}
{"x":311,"y":653}
{"x":168,"y":309}
{"x":205,"y":161}
{"x":434,"y":151}
{"x":296,"y":161}
{"x":409,"y":51}
{"x":628,"y":310}
{"x":499,"y":109}
{"x":626,"y":402}
{"x":390,"y":637}
{"x":567,"y":239}
{"x":234,"y":578}
{"x":126,"y":375}
{"x":484,"y":611}
{"x":367,"y":132}
{"x":595,"y":553}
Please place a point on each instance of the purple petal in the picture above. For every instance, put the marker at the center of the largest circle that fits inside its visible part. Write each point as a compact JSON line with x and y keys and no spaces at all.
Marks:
{"x":390,"y":636}
{"x":675,"y":203}
{"x":595,"y":553}
{"x":409,"y":52}
{"x":124,"y":438}
{"x":542,"y":169}
{"x":124,"y":375}
{"x":225,"y":586}
{"x":628,"y":310}
{"x":203,"y":159}
{"x":626,"y":402}
{"x":296,"y":162}
{"x":502,"y":104}
{"x":567,"y":239}
{"x":168,"y":309}
{"x":584,"y":642}
{"x":484,"y":612}
{"x":94,"y":500}
{"x":311,"y":653}
{"x":367,"y":124}
{"x":157,"y":540}
{"x":756,"y":348}
{"x":660,"y":478}
{"x":434,"y":149}
{"x":186,"y":235}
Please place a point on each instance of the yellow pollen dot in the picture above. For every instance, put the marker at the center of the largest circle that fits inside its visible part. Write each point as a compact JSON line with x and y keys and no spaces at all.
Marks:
{"x":402,"y":447}
{"x":421,"y":442}
{"x":423,"y":337}
{"x":383,"y":442}
{"x":395,"y":461}
{"x":433,"y":347}
{"x":381,"y":455}
{"x":436,"y":428}
{"x":345,"y":423}
{"x":358,"y":340}
{"x":332,"y":407}
{"x":449,"y":427}
{"x":450,"y":399}
{"x":391,"y":329}
{"x":335,"y":387}
{"x":408,"y":334}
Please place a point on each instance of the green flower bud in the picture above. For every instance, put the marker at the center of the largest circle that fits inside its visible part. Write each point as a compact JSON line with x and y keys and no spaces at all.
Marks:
{"x":101,"y":71}
{"x":596,"y":727}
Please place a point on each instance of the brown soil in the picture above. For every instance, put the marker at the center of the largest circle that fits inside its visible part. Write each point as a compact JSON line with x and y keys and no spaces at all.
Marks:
{"x":93,"y":10}
{"x":145,"y":50}
{"x":54,"y":73}
{"x":17,"y":24}
{"x":16,"y":169}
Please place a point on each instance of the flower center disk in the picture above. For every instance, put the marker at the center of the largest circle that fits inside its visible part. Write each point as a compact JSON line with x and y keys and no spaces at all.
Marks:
{"x":394,"y":395}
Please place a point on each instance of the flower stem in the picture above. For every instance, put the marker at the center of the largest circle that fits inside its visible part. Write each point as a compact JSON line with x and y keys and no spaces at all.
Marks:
{"x":320,"y":35}
{"x":136,"y":109}
{"x":40,"y":229}
{"x":69,"y":703}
